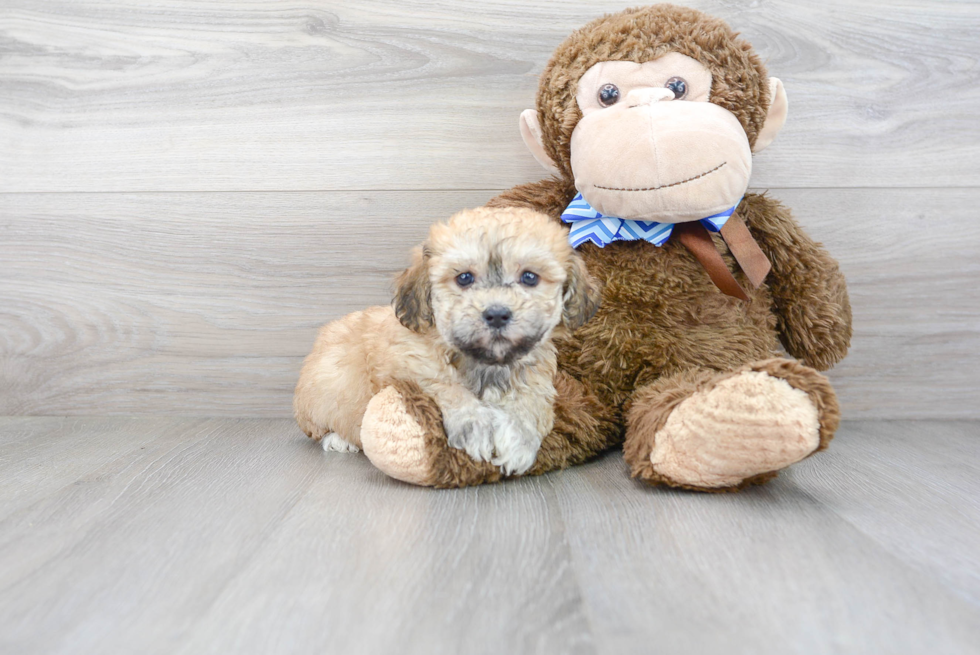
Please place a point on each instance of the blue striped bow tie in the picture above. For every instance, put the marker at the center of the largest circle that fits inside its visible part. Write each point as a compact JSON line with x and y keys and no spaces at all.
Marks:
{"x":589,"y":225}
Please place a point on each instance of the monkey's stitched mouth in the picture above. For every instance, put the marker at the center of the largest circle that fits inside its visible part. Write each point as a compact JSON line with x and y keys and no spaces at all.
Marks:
{"x":664,"y":186}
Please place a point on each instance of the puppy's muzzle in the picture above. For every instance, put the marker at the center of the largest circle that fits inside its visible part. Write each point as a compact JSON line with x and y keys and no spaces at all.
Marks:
{"x":496,"y":338}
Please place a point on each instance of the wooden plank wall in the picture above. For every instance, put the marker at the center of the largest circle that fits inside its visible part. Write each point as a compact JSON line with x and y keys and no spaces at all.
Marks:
{"x":188,"y":188}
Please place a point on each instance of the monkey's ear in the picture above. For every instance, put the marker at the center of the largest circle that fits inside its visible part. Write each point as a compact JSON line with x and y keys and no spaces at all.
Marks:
{"x":581,"y":296}
{"x":531,"y":133}
{"x":778,"y":106}
{"x":413,"y":294}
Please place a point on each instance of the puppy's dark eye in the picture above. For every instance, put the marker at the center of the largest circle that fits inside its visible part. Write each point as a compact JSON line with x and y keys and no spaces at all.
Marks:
{"x":465,"y":279}
{"x":608,"y":95}
{"x":529,"y":279}
{"x":678,"y":86}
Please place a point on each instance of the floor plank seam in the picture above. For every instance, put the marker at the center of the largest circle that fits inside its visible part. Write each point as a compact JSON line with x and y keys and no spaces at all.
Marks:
{"x":256,"y":549}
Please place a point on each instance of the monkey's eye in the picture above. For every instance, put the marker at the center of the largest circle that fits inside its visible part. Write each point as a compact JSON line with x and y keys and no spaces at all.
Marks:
{"x":465,"y":279}
{"x":529,"y":279}
{"x":608,"y":95}
{"x":678,"y":86}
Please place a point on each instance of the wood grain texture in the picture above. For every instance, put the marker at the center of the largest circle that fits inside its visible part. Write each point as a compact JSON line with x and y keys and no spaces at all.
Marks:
{"x":892,"y":479}
{"x":41,"y":456}
{"x":772,"y":570}
{"x":326,"y":95}
{"x":218,"y":536}
{"x":133,"y":551}
{"x":205,"y":304}
{"x":402,"y":570}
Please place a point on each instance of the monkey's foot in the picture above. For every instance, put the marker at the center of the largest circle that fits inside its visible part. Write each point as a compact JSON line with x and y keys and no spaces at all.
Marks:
{"x":731,"y":430}
{"x":402,"y":435}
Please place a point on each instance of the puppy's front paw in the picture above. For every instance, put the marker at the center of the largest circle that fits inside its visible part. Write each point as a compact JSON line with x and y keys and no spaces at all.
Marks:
{"x":471,"y":429}
{"x":516,"y":446}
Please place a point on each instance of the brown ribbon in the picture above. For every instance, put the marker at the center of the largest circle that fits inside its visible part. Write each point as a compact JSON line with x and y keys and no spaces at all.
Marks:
{"x":746,"y":251}
{"x":743,"y":247}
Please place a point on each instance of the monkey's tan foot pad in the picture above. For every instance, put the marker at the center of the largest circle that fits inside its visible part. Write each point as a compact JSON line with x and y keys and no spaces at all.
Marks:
{"x":744,"y":426}
{"x":394,"y":441}
{"x":402,"y":435}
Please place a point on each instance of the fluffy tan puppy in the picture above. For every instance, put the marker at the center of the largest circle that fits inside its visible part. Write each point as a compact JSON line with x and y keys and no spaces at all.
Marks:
{"x":472,"y":325}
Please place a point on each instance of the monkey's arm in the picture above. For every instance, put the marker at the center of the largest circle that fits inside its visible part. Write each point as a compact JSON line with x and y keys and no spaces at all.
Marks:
{"x":808,"y":289}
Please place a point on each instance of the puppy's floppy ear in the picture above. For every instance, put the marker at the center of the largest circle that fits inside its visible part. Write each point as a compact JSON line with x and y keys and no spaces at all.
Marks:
{"x":413,"y":293}
{"x":581,"y":296}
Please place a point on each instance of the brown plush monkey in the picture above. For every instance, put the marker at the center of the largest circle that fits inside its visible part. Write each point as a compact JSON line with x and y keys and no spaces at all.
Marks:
{"x":648,"y":119}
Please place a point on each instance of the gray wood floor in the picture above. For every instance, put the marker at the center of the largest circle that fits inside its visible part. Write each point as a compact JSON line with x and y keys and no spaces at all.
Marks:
{"x":163,"y":535}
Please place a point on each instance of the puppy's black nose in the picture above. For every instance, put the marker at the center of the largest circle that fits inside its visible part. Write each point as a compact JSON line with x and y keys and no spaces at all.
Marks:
{"x":497,"y":316}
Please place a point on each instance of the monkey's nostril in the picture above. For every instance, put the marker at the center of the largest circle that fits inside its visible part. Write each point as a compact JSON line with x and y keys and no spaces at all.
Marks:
{"x":497,"y":316}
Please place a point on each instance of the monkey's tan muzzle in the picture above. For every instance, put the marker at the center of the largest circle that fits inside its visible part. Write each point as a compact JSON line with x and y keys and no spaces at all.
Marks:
{"x":641,"y":160}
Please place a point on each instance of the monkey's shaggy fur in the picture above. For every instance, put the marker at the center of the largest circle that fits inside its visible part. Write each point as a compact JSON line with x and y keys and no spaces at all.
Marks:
{"x":663,"y":331}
